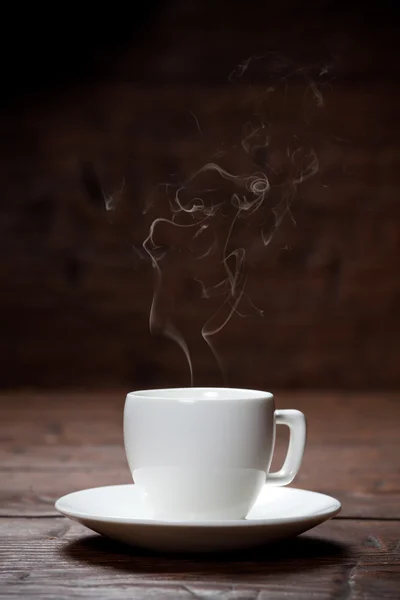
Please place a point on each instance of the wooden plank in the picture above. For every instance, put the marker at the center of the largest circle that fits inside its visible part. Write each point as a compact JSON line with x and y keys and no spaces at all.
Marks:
{"x":72,"y":272}
{"x":58,"y":558}
{"x":78,"y":418}
{"x":365,"y":492}
{"x":77,"y":443}
{"x":185,"y":42}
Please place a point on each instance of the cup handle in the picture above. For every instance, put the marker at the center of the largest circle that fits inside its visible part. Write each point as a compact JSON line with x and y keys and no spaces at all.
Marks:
{"x":296,"y":421}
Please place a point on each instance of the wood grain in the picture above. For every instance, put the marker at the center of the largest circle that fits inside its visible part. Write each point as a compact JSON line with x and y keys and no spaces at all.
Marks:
{"x":45,"y":558}
{"x":54,"y":443}
{"x":153,"y":109}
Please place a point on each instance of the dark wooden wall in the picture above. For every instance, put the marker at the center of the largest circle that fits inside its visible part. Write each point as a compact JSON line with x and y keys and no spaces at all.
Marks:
{"x":127,"y":103}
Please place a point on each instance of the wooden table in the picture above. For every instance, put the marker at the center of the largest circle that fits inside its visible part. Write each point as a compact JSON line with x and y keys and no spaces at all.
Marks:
{"x":54,"y":443}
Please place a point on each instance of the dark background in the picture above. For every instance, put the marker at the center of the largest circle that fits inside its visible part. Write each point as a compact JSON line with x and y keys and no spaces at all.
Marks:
{"x":123,"y":100}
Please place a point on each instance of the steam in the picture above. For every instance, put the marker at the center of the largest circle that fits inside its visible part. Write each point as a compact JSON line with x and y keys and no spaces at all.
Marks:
{"x":264,"y":194}
{"x":111,"y":201}
{"x":250,"y":197}
{"x":155,"y":323}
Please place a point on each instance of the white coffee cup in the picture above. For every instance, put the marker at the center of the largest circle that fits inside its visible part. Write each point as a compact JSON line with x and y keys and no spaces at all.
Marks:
{"x":205,"y":453}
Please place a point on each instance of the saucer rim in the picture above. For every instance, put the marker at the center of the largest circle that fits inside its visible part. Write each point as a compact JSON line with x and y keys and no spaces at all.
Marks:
{"x":324,"y":515}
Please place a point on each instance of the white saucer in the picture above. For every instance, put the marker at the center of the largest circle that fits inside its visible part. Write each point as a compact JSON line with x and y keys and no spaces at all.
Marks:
{"x":118,"y":512}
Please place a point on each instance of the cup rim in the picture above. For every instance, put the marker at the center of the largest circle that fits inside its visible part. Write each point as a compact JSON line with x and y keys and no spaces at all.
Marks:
{"x":200,"y":393}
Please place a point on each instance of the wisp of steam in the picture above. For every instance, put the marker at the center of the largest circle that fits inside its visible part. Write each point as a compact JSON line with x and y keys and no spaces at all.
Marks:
{"x":195,"y":207}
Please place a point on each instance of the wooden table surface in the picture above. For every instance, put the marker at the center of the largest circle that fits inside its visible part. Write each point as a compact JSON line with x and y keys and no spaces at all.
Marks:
{"x":55,"y":443}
